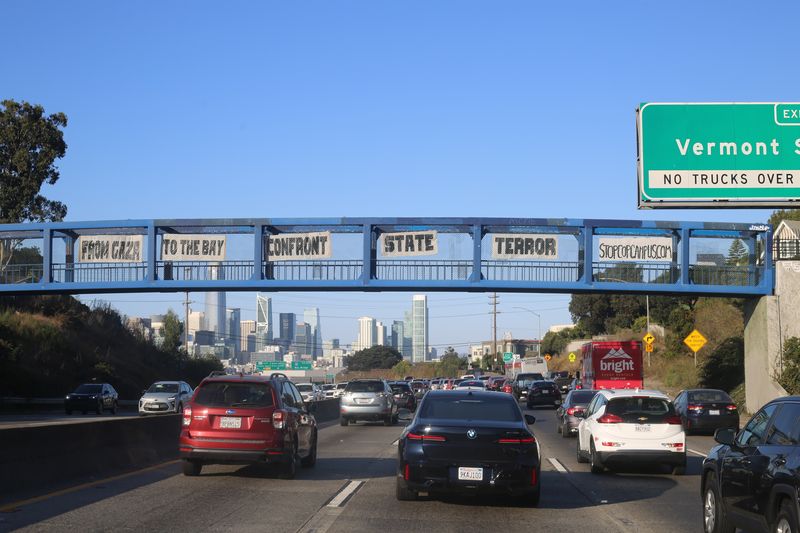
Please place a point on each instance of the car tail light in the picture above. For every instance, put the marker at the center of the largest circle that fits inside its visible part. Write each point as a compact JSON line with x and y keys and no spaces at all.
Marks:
{"x":578,"y":386}
{"x":731,"y":407}
{"x":187,"y":415}
{"x":533,"y":476}
{"x":675,"y":445}
{"x":431,"y":438}
{"x":610,"y":444}
{"x":574,"y":410}
{"x":406,"y":472}
{"x":279,"y":419}
{"x":691,"y":407}
{"x":673,"y":420}
{"x":525,"y":440}
{"x":609,"y":419}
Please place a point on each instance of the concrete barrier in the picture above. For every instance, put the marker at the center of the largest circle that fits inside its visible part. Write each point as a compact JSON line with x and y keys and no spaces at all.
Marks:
{"x":35,"y":458}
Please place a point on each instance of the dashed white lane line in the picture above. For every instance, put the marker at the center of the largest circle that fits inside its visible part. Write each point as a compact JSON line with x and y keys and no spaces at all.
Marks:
{"x":395,"y":442}
{"x":557,"y":465}
{"x":340,"y":499}
{"x":701,"y":454}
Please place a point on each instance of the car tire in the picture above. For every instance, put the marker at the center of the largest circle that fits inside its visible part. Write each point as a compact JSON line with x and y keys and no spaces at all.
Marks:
{"x":559,"y":426}
{"x":714,"y":518}
{"x":288,"y":469}
{"x":565,"y":431}
{"x":192,"y":468}
{"x":388,"y":420}
{"x":679,"y":470}
{"x":395,"y":419}
{"x":404,"y":494}
{"x":114,"y":409}
{"x":786,"y":521}
{"x":595,"y":465}
{"x":179,"y":410}
{"x":311,"y":459}
{"x":578,"y":455}
{"x":532,"y":499}
{"x":343,"y":421}
{"x":99,"y":409}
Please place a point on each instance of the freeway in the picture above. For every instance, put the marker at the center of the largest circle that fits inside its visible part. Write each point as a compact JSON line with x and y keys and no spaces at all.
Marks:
{"x":352,"y":490}
{"x":8,"y":421}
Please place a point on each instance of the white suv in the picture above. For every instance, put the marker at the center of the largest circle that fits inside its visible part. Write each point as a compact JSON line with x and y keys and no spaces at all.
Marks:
{"x":310,"y":392}
{"x":630,"y":427}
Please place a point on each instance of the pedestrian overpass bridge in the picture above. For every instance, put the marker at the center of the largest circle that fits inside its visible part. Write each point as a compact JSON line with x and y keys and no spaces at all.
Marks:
{"x":387,"y":254}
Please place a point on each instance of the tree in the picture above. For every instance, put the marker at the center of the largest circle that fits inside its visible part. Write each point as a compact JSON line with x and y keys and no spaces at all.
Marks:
{"x":375,"y":357}
{"x":780,"y":215}
{"x":724,"y":368}
{"x":173,"y":332}
{"x":402,"y":369}
{"x":737,"y":253}
{"x":30,"y":142}
{"x":790,"y":377}
{"x":449,"y":351}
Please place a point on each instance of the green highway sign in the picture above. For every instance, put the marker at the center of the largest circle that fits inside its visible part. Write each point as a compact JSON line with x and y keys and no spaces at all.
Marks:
{"x":301,"y":365}
{"x":508,"y":357}
{"x":270,"y":365}
{"x":718,"y":154}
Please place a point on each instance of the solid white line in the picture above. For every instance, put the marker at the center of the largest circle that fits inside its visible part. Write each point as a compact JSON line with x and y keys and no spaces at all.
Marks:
{"x":394,"y":444}
{"x":557,"y":465}
{"x":349,"y":489}
{"x":701,"y":454}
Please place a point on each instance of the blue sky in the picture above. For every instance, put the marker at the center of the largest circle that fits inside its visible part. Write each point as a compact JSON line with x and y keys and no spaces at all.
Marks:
{"x":345,"y":108}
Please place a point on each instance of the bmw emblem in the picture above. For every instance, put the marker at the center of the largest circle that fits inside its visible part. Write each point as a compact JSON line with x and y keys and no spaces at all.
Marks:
{"x":471,"y":433}
{"x":230,"y":412}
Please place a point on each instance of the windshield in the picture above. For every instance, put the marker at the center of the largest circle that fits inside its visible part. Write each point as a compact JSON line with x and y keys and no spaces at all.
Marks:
{"x":365,"y":386}
{"x":709,"y":396}
{"x":226,"y":394}
{"x":341,"y":385}
{"x":87,"y":388}
{"x":163,"y":387}
{"x":449,"y":408}
{"x":304,"y":387}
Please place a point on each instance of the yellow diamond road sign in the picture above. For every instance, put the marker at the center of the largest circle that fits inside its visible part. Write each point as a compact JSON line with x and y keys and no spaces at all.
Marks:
{"x":695,"y":341}
{"x":572,"y":357}
{"x":648,"y":339}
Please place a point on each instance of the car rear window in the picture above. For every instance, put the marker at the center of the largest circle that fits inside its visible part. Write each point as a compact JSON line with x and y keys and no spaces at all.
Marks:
{"x":471,"y":383}
{"x":304,"y":388}
{"x":365,"y":386}
{"x":163,"y":387}
{"x":341,"y":385}
{"x":544,"y":384}
{"x":228,"y":394}
{"x":400,"y":387}
{"x":449,"y":408}
{"x":709,"y":396}
{"x":640,"y":409}
{"x":582,"y":397}
{"x":88,"y":388}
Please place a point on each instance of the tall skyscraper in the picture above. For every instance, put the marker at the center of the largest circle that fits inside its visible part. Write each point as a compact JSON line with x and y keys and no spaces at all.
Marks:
{"x":215,"y":305}
{"x":397,"y":336}
{"x":196,"y":321}
{"x":419,"y":325}
{"x":233,"y":327}
{"x":366,"y":333}
{"x":264,"y":317}
{"x":247,"y":328}
{"x":381,"y":338}
{"x":303,"y":338}
{"x":287,"y":328}
{"x":311,"y":317}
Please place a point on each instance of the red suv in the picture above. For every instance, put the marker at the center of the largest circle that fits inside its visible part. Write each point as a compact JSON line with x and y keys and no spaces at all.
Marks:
{"x":237,"y":419}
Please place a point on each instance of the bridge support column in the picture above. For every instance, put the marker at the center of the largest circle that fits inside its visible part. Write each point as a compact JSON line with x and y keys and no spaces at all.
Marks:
{"x":769,"y":321}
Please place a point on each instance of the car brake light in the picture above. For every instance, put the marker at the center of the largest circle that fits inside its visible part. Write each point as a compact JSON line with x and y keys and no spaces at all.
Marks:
{"x":526,"y":440}
{"x":672,"y":444}
{"x":406,"y":472}
{"x":694,"y":407}
{"x":533,"y":476}
{"x":730,"y":407}
{"x":432,"y":438}
{"x":611,"y":444}
{"x":609,"y":419}
{"x":572,"y":410}
{"x":279,"y":419}
{"x":187,"y":415}
{"x":673,"y":420}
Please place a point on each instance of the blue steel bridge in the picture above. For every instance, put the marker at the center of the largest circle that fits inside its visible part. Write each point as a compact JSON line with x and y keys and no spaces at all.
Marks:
{"x":465,"y":259}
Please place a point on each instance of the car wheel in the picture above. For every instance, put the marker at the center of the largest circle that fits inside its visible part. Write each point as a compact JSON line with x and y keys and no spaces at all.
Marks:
{"x":680,"y":469}
{"x":404,"y":494}
{"x":343,"y":421}
{"x":559,"y":426}
{"x":179,"y":410}
{"x":388,"y":420}
{"x":578,"y":455}
{"x":595,"y":464}
{"x":99,"y":408}
{"x":289,"y":468}
{"x":191,"y":468}
{"x":786,"y":521}
{"x":565,"y":431}
{"x":532,"y":498}
{"x":714,"y":518}
{"x":395,"y":419}
{"x":114,"y":409}
{"x":311,"y":459}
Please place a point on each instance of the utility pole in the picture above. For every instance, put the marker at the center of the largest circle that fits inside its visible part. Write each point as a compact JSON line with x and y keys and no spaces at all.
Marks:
{"x":186,"y":303}
{"x":494,"y":329}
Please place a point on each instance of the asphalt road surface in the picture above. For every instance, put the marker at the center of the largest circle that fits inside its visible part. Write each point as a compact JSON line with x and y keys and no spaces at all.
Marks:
{"x":351,"y":489}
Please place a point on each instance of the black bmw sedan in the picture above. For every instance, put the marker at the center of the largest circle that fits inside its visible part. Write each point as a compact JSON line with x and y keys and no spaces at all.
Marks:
{"x":469,"y":441}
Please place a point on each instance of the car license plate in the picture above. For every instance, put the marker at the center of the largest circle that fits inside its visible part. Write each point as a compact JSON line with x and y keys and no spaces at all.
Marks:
{"x":230,"y":422}
{"x":545,"y":391}
{"x":470,"y":474}
{"x":713,"y":411}
{"x":644,"y":428}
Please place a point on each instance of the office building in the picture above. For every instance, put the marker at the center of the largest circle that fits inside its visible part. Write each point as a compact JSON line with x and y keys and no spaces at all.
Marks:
{"x":419,"y":328}
{"x":303,"y":339}
{"x":234,"y":333}
{"x":264,"y":317}
{"x":311,"y":317}
{"x":366,"y":333}
{"x":215,"y":305}
{"x":287,"y":324}
{"x":328,"y":347}
{"x":247,"y":328}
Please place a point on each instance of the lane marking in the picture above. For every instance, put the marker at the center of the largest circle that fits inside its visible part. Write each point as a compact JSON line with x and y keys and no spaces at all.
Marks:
{"x":14,"y":506}
{"x":346,"y":493}
{"x":701,"y":454}
{"x":557,"y":465}
{"x":396,"y":442}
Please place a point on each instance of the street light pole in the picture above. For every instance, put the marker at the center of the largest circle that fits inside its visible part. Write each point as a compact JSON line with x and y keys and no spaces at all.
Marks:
{"x":540,"y":322}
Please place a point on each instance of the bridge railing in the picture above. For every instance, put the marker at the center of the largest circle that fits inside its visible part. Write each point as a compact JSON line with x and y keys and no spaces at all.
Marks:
{"x":741,"y":276}
{"x":544,"y":271}
{"x":204,"y":270}
{"x":21,"y":274}
{"x":334,"y":270}
{"x":98,"y":272}
{"x":440,"y":270}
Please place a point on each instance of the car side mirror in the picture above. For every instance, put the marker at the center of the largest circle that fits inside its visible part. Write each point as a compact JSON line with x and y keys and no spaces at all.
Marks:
{"x":530,"y":420}
{"x":725,"y":436}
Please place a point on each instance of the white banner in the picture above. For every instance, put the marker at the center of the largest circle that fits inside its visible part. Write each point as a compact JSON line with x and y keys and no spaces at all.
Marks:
{"x":188,"y":247}
{"x":110,"y":248}
{"x":299,"y":246}
{"x":409,"y":243}
{"x":523,"y":246}
{"x":635,"y":249}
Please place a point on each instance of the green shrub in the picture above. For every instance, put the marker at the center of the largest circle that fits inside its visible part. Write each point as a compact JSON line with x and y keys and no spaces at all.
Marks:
{"x":724,"y":368}
{"x":790,"y":377}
